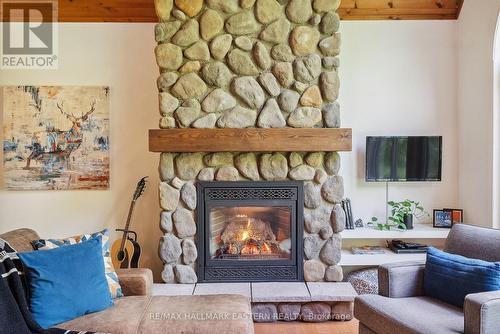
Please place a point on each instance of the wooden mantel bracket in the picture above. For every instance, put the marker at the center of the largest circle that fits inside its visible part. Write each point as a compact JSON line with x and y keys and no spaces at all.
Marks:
{"x":250,"y":140}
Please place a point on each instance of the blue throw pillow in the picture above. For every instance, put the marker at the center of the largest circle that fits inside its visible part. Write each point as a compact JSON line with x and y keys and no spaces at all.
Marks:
{"x":66,"y":282}
{"x":449,"y":277}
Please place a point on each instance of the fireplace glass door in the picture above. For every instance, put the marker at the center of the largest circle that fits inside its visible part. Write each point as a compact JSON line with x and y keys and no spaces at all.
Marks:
{"x":250,"y":233}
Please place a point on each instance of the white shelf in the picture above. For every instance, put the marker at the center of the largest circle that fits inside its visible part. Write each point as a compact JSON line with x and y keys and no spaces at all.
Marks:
{"x":350,"y":259}
{"x":420,"y":231}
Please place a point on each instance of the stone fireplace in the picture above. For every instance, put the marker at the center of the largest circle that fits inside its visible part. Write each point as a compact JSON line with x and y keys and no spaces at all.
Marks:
{"x":185,"y":217}
{"x":248,"y":231}
{"x":249,"y":64}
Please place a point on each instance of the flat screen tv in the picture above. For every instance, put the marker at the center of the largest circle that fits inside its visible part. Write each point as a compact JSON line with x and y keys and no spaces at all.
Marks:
{"x":396,"y":159}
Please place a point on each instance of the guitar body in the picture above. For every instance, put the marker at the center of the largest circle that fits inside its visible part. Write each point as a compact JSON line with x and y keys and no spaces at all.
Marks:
{"x":129,"y":257}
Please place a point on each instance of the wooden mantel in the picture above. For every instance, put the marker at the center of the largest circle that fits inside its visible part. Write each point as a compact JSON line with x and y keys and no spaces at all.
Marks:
{"x":250,"y":140}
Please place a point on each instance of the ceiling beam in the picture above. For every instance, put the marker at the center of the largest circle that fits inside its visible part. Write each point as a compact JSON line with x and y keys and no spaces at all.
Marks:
{"x":143,"y":10}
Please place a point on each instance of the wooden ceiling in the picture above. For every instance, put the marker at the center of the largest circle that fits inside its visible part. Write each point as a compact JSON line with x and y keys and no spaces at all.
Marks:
{"x":143,"y":10}
{"x":400,"y":9}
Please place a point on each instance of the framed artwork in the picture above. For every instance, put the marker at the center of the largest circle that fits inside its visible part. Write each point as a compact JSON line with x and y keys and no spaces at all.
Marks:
{"x":457,"y":215}
{"x":55,"y":137}
{"x":442,"y":219}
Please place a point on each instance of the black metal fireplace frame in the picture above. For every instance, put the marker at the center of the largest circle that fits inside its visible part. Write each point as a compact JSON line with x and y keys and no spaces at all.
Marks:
{"x":229,"y":193}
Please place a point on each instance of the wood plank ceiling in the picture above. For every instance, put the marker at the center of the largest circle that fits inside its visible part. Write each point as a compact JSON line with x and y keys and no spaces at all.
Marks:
{"x":143,"y":10}
{"x":400,"y":9}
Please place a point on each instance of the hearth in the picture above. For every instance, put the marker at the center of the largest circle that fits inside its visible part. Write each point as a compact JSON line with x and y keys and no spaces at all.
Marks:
{"x":250,"y":231}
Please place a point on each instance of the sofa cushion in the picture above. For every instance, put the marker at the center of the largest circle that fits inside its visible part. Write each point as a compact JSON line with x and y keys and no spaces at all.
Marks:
{"x":450,"y":277}
{"x":413,"y":315}
{"x":221,"y":314}
{"x":171,"y":314}
{"x":123,"y":317}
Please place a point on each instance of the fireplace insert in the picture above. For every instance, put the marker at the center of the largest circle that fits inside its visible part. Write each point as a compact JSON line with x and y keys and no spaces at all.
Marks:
{"x":250,"y":231}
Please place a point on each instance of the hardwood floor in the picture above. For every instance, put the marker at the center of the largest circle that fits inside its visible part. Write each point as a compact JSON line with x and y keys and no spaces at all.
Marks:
{"x":330,"y":327}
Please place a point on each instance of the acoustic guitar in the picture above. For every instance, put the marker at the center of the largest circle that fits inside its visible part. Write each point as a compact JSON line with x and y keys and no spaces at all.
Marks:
{"x":126,"y":252}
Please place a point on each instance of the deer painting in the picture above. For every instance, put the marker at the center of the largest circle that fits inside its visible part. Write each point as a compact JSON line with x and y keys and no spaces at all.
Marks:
{"x":60,"y":143}
{"x":56,"y":137}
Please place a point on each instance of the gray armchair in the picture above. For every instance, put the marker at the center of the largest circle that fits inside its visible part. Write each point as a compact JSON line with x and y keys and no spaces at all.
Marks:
{"x":402,"y":307}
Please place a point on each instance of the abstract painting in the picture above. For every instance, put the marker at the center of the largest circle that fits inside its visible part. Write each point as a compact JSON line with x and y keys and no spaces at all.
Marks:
{"x":55,"y":137}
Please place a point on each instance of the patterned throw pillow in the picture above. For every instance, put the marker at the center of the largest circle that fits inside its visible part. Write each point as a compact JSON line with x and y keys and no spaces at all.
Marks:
{"x":111,"y":276}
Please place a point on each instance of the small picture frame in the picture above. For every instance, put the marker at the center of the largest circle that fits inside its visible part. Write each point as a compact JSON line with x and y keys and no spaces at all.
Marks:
{"x":457,"y":215}
{"x":442,"y":219}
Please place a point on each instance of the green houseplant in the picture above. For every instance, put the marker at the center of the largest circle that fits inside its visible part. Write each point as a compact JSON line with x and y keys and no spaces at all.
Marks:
{"x":382,"y":226}
{"x":402,"y":213}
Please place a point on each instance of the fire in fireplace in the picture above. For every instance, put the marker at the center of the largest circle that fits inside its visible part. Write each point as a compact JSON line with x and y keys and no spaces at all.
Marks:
{"x":250,"y":231}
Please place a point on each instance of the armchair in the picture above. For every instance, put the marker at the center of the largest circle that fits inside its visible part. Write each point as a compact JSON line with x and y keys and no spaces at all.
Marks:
{"x":402,"y":307}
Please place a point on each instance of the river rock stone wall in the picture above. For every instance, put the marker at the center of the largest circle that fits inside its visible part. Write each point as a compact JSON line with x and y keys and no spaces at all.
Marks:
{"x":240,"y":64}
{"x":307,"y":312}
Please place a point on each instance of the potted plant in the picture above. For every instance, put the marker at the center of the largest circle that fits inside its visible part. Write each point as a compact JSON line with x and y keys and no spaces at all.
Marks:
{"x":402,"y":213}
{"x":381,"y":226}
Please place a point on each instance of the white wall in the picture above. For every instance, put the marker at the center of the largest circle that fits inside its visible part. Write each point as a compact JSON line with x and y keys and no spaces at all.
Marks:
{"x":496,"y":128}
{"x":120,"y":56}
{"x":476,"y":31}
{"x":399,"y":78}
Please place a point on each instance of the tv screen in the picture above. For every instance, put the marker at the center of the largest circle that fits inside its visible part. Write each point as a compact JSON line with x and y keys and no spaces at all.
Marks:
{"x":403,"y":158}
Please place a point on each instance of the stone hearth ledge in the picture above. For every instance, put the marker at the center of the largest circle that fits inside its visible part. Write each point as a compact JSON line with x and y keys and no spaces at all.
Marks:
{"x":269,"y":292}
{"x":280,"y":301}
{"x":166,"y":289}
{"x":223,"y":288}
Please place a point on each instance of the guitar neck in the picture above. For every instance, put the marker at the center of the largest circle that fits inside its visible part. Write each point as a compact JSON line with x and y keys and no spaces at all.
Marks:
{"x":127,"y":225}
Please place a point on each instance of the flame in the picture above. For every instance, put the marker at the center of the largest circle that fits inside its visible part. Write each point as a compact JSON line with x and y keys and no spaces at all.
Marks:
{"x":266,"y":249}
{"x":250,"y":246}
{"x":232,"y":250}
{"x":250,"y":249}
{"x":246,"y":233}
